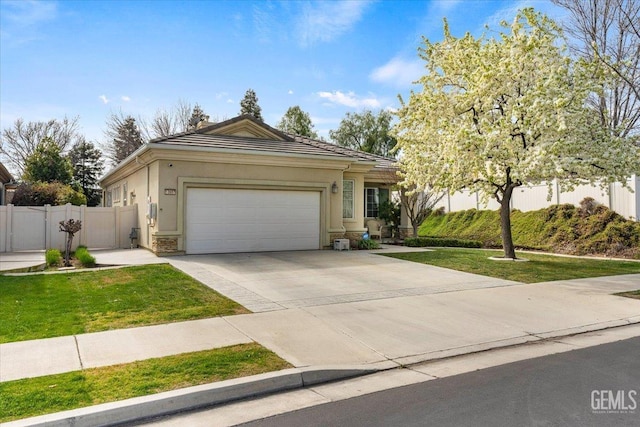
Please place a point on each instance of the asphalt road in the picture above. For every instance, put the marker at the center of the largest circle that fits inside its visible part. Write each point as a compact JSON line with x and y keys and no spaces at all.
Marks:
{"x":597,"y":386}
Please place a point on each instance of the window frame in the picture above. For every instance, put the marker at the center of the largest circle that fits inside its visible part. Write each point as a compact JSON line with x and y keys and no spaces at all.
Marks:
{"x":348,"y":203}
{"x":115,"y":197}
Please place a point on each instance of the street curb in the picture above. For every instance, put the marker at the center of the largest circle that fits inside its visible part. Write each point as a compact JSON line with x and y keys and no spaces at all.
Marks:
{"x":515,"y":341}
{"x":171,"y":402}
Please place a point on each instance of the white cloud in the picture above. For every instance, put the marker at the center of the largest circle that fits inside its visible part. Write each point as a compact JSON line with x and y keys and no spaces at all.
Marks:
{"x":349,"y":99}
{"x":30,"y":12}
{"x":21,"y":21}
{"x":230,"y":101}
{"x":221,"y":95}
{"x":325,"y":21}
{"x":398,"y":72}
{"x":104,"y":99}
{"x":290,"y":92}
{"x":125,"y":98}
{"x":263,"y":21}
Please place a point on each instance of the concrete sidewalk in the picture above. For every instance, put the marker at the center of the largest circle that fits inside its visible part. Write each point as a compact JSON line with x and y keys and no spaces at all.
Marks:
{"x":26,"y":259}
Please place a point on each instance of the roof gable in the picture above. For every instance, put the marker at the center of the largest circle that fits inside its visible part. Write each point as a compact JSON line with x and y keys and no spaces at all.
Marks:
{"x":245,"y":126}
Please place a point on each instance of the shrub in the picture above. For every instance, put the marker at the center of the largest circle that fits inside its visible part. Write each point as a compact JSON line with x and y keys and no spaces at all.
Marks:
{"x":419,"y":242}
{"x":52,"y":257}
{"x":85,"y":258}
{"x":47,"y":193}
{"x":368,"y":244}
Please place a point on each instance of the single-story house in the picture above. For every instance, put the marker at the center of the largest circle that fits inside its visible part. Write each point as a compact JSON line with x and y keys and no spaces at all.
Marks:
{"x":7,"y":185}
{"x":243,"y":186}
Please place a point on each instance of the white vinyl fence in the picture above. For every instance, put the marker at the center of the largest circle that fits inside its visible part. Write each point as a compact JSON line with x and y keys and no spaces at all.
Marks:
{"x":616,"y":197}
{"x":27,"y":228}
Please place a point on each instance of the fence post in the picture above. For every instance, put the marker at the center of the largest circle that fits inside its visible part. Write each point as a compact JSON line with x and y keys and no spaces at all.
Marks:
{"x":118,"y":214}
{"x":9,"y":228}
{"x":47,"y":226}
{"x":83,"y":230}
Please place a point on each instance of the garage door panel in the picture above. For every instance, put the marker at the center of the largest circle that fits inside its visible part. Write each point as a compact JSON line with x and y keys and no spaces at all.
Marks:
{"x":231,"y":220}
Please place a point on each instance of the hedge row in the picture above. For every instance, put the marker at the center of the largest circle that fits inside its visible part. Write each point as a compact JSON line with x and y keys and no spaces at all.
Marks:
{"x":419,"y":242}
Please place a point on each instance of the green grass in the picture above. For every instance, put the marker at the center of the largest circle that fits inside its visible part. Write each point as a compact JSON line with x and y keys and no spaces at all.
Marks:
{"x":54,"y":393}
{"x":50,"y":305}
{"x":631,"y":294}
{"x":539,"y":268}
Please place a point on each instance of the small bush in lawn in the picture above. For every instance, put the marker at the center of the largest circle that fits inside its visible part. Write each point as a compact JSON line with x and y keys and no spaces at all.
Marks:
{"x":52,"y":257}
{"x":85,"y":258}
{"x":418,"y":242}
{"x":368,"y":244}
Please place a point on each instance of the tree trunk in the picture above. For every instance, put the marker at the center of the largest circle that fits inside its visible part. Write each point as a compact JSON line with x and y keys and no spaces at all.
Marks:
{"x":67,"y":253}
{"x":415,"y":229}
{"x":505,"y":224}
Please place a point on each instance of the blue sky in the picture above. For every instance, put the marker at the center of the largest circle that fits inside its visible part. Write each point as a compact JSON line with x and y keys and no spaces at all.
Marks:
{"x":91,"y":58}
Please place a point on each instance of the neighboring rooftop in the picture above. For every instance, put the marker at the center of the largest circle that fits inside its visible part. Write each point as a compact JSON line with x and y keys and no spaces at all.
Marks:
{"x":5,"y":175}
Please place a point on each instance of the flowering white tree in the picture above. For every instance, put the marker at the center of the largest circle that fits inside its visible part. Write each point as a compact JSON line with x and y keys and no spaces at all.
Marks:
{"x":498,"y":113}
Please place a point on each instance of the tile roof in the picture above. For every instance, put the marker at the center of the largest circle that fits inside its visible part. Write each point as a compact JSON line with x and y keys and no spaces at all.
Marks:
{"x":382,"y":162}
{"x":229,"y":142}
{"x":294,"y":145}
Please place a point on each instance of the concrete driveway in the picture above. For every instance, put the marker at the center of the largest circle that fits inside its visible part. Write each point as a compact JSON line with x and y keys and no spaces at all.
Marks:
{"x":336,"y":308}
{"x":280,"y":280}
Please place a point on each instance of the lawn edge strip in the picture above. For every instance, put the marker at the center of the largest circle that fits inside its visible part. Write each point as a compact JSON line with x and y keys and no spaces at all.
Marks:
{"x":138,"y":409}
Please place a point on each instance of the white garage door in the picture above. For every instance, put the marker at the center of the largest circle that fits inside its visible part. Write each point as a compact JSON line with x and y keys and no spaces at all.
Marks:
{"x":225,"y":220}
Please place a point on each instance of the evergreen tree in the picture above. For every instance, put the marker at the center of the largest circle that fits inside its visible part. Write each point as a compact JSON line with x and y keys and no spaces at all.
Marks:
{"x":249,"y":105}
{"x":125,"y":137}
{"x":88,"y":165}
{"x":197,"y":115}
{"x":297,"y":122}
{"x":47,"y":164}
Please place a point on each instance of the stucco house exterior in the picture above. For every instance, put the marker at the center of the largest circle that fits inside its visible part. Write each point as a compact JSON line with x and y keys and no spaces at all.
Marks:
{"x":243,"y":186}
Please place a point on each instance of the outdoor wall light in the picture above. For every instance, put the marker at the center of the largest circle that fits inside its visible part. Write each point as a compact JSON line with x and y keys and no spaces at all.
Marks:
{"x":334,"y":187}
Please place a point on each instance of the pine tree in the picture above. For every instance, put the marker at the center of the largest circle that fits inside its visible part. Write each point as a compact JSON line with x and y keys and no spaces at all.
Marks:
{"x":249,"y":105}
{"x":197,"y":115}
{"x":88,"y":165}
{"x":126,"y":137}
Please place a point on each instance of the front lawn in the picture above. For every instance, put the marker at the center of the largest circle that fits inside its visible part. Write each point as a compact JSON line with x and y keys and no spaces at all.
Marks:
{"x":539,"y":268}
{"x":44,"y":395}
{"x":51,"y":305}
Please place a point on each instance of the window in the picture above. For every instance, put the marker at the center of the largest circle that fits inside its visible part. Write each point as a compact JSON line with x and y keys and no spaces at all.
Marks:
{"x":108,"y":202}
{"x":347,"y":198}
{"x":116,"y":194}
{"x":124,"y":194}
{"x":372,"y":199}
{"x":371,"y":202}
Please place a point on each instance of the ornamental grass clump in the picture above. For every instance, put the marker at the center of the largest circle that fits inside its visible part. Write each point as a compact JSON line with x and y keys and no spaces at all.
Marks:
{"x":52,"y":257}
{"x":86,"y":259}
